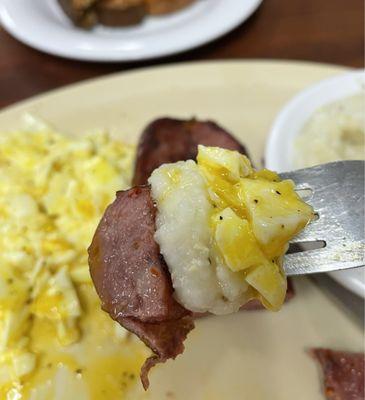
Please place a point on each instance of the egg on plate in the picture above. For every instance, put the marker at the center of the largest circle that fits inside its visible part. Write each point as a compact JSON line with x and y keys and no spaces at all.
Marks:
{"x":55,"y":342}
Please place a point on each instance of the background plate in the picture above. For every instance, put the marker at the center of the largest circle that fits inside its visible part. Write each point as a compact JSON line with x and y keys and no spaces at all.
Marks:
{"x":42,"y":24}
{"x":280,"y":151}
{"x":250,"y":355}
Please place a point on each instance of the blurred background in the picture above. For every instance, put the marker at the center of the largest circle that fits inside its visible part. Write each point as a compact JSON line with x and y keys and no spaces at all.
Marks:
{"x":312,"y":30}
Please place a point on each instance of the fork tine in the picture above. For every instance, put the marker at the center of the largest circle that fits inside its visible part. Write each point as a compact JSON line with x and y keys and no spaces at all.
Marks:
{"x":338,"y":198}
{"x":324,"y":260}
{"x":313,"y":232}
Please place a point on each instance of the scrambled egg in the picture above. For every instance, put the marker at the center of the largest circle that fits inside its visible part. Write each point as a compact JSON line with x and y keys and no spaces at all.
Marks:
{"x":54,"y":339}
{"x":256,"y":215}
{"x":223,"y":229}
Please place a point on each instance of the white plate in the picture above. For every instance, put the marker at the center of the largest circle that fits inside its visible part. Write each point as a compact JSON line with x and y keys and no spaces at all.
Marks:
{"x":289,"y":123}
{"x":42,"y":24}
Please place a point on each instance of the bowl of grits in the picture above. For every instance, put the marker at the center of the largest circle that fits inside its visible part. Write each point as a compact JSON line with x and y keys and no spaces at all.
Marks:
{"x":323,"y":123}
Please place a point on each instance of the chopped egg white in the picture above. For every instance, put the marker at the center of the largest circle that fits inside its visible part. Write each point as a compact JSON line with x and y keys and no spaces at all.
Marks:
{"x":53,"y":192}
{"x":223,"y":229}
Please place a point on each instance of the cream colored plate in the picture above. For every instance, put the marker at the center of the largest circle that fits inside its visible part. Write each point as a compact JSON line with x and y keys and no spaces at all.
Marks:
{"x":250,"y":355}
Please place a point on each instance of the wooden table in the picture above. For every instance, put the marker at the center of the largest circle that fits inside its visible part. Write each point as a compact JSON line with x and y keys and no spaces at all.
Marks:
{"x":329,"y":31}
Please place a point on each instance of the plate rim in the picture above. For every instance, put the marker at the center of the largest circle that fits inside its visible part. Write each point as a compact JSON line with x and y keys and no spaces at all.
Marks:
{"x":176,"y":66}
{"x":185,"y":46}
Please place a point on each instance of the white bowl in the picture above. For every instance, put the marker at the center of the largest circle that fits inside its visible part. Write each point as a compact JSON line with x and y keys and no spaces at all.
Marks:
{"x":43,"y":25}
{"x":289,"y":123}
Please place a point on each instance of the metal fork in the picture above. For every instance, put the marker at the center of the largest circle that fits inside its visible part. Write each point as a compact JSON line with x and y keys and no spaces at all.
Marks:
{"x":335,"y":240}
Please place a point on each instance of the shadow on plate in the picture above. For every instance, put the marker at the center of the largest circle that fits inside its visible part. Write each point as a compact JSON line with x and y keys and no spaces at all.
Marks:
{"x":352,"y":304}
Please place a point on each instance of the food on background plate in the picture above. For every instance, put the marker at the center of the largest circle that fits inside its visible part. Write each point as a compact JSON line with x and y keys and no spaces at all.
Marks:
{"x":334,"y":132}
{"x":55,"y":342}
{"x":87,"y":13}
{"x":119,"y":12}
{"x":199,"y":213}
{"x":343,"y":374}
{"x":161,"y":7}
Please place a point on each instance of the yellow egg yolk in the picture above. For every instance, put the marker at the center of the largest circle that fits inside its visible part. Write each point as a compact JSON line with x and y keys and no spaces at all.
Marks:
{"x":55,"y":342}
{"x":255,"y":215}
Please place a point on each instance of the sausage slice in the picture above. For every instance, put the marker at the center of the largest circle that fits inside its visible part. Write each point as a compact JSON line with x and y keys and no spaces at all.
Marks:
{"x":132,"y":279}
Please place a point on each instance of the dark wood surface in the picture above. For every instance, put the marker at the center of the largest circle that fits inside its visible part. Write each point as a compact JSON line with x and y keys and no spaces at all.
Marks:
{"x":330,"y":31}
